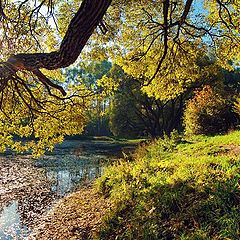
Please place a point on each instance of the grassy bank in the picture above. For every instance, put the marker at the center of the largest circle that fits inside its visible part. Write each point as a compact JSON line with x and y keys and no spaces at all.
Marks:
{"x":174,"y":189}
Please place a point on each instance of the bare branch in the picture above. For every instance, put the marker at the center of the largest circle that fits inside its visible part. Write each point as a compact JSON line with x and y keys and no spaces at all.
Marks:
{"x":166,"y":27}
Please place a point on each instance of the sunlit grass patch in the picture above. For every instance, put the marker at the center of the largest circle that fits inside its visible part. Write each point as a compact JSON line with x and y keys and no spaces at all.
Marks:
{"x":176,"y":189}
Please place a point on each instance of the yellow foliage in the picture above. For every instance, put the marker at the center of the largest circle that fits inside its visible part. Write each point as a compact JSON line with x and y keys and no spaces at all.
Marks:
{"x":108,"y":84}
{"x":175,"y":74}
{"x":46,"y":122}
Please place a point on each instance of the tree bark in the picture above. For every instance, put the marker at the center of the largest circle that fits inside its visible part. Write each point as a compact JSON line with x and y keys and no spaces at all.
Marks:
{"x":79,"y":31}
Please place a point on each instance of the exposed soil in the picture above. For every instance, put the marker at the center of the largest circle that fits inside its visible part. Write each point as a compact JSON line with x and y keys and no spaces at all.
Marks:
{"x":233,"y":149}
{"x":230,"y":150}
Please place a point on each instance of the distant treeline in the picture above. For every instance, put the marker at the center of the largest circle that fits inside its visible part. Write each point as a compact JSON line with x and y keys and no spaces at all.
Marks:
{"x":206,"y":106}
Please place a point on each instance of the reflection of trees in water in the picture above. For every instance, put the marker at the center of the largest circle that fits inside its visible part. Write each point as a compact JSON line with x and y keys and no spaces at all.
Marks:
{"x":10,"y":226}
{"x":23,"y":212}
{"x":67,"y":179}
{"x":33,"y":189}
{"x":29,"y":190}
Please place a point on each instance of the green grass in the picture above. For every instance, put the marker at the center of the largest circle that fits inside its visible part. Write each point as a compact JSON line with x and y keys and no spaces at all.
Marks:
{"x":175,"y":189}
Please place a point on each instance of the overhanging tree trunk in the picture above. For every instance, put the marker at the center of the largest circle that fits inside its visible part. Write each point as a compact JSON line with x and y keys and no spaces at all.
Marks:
{"x":81,"y":27}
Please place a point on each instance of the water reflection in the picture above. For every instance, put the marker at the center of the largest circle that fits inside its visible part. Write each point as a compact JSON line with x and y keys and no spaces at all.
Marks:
{"x":66,"y":179}
{"x":56,"y":175}
{"x":10,"y":223}
{"x":21,"y":209}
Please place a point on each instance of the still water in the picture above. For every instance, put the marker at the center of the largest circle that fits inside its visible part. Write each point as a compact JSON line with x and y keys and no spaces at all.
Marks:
{"x":28,"y":188}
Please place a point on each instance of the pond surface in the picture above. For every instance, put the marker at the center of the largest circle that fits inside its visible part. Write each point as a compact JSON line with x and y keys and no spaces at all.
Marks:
{"x":28,"y":187}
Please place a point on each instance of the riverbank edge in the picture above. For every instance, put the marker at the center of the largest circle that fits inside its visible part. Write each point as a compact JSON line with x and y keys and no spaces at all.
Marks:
{"x":198,"y":206}
{"x":76,"y":216}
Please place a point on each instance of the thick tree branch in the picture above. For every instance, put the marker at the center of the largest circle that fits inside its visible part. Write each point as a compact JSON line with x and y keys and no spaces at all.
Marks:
{"x":81,"y":27}
{"x":186,"y":11}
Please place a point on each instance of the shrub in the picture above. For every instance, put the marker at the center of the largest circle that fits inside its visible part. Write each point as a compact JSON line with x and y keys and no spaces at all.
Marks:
{"x":208,"y":112}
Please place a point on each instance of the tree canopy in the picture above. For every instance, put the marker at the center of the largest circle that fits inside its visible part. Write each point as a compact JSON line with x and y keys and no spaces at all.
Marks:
{"x":163,"y":44}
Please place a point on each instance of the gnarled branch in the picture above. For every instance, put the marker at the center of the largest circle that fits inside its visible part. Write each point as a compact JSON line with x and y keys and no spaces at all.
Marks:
{"x":81,"y":27}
